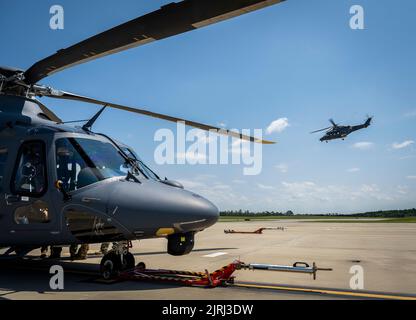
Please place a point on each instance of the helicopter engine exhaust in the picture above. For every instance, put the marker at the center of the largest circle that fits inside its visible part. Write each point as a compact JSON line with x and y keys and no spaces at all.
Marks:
{"x":180,"y":244}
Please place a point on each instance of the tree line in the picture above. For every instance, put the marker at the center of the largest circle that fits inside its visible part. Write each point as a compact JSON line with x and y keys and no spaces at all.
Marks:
{"x":371,"y":214}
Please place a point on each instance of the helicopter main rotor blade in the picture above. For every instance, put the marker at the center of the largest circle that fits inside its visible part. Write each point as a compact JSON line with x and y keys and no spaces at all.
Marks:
{"x":169,"y":20}
{"x":70,"y":96}
{"x":333,"y":122}
{"x":321,"y":130}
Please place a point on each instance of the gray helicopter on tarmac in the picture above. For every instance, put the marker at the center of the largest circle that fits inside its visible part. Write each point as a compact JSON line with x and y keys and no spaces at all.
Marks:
{"x":63,"y":185}
{"x":341,"y":132}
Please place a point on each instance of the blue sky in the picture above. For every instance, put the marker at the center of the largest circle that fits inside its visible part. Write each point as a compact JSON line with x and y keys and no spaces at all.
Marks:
{"x":297,"y":60}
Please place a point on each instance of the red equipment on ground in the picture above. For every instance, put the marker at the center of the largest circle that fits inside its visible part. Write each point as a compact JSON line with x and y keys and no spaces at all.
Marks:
{"x":188,"y":278}
{"x":258,"y":231}
{"x":220,"y":277}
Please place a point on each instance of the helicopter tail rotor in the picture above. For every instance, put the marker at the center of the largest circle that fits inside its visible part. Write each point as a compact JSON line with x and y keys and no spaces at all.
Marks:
{"x":368,"y":121}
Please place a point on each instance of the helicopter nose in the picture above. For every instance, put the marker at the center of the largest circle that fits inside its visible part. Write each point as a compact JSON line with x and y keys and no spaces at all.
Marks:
{"x":152,"y":206}
{"x":198,"y":212}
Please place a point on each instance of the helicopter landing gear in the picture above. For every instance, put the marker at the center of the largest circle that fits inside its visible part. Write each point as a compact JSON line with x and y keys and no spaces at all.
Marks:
{"x":117,"y":260}
{"x":19,"y":251}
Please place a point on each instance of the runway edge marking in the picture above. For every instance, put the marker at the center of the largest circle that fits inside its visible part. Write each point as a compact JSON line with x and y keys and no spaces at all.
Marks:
{"x":216,"y":254}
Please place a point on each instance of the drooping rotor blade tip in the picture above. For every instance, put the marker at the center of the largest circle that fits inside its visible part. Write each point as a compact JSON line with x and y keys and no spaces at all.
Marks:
{"x":268,"y":142}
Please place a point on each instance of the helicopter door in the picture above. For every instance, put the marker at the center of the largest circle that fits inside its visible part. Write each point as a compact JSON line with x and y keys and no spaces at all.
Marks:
{"x":28,"y":201}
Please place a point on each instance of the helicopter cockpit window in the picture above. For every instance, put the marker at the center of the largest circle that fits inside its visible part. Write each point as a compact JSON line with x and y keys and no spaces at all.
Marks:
{"x":81,"y":162}
{"x":30,"y":173}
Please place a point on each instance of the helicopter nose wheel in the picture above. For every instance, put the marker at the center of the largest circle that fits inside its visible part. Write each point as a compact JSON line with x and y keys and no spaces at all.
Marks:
{"x":115,"y":262}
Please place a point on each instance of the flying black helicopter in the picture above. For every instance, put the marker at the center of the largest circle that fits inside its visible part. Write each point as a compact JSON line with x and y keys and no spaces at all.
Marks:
{"x":341,"y":132}
{"x":62,"y":185}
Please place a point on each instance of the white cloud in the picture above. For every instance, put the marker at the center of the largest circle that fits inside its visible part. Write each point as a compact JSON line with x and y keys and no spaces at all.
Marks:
{"x":402,"y":190}
{"x":317,"y":195}
{"x":352,"y":170}
{"x":407,"y":157}
{"x":369,"y":188}
{"x":300,"y":196}
{"x":265,"y":187}
{"x":299,"y":189}
{"x":204,"y":137}
{"x":410,"y":114}
{"x":411,"y":177}
{"x":205,"y":177}
{"x":200,"y":181}
{"x":191,"y":184}
{"x":364,"y":145}
{"x":298,"y":185}
{"x":373,"y":191}
{"x":220,"y":193}
{"x":221,"y":186}
{"x":282,"y":167}
{"x":402,"y":145}
{"x":278,"y":125}
{"x":307,"y":192}
{"x":240,"y":147}
{"x":191,"y":156}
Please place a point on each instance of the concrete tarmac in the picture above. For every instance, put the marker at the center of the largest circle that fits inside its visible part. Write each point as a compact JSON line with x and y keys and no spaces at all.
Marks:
{"x":385,"y":251}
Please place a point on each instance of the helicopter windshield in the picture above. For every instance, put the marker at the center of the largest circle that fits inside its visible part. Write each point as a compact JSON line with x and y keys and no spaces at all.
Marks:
{"x":81,"y":162}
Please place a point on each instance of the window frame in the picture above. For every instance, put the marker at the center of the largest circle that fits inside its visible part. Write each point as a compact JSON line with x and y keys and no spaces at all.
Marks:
{"x":16,"y":167}
{"x":4,"y":163}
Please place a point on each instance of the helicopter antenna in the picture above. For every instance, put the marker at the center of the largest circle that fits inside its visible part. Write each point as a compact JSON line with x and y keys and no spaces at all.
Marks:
{"x":89,"y":124}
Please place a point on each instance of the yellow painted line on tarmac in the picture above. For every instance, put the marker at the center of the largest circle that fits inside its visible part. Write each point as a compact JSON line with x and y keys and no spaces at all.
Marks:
{"x":324,"y":291}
